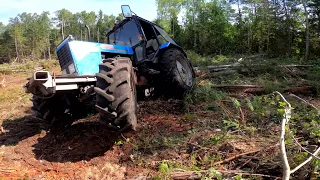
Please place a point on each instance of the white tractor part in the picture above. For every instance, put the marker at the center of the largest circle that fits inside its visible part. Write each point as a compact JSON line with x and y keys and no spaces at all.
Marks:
{"x":43,"y":83}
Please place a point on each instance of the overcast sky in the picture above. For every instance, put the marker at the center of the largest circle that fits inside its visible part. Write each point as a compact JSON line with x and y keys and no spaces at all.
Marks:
{"x":11,"y":8}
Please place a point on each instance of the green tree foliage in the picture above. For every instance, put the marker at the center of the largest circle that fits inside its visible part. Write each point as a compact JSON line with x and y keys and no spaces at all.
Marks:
{"x":35,"y":36}
{"x":273,"y":27}
{"x":208,"y":27}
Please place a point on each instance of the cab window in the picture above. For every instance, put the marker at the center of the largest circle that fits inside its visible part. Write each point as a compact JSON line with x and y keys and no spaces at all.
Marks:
{"x":163,"y":36}
{"x":126,"y":35}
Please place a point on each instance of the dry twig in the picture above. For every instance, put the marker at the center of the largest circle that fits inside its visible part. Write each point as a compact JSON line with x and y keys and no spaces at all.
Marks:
{"x":304,"y":101}
{"x":303,"y":148}
{"x":235,"y":156}
{"x":7,"y":170}
{"x":264,"y":150}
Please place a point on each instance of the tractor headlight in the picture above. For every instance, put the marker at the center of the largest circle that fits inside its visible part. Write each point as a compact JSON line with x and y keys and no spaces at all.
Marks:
{"x":71,"y":68}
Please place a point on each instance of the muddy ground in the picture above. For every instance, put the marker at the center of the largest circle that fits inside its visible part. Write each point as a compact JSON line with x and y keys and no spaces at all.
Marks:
{"x":87,"y":150}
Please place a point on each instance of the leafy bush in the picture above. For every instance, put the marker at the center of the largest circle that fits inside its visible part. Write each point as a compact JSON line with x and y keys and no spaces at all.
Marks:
{"x":204,"y":93}
{"x":198,"y":60}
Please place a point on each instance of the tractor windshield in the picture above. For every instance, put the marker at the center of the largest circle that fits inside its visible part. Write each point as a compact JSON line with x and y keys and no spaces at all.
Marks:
{"x":125,"y":35}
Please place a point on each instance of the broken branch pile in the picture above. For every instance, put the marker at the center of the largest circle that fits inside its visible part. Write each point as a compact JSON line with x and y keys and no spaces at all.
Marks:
{"x":289,"y":74}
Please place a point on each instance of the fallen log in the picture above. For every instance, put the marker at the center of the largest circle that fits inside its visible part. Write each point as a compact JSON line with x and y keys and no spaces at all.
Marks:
{"x":218,"y":67}
{"x":298,"y":89}
{"x":295,"y":65}
{"x":284,"y":90}
{"x":220,"y":73}
{"x":237,"y":65}
{"x":254,"y":89}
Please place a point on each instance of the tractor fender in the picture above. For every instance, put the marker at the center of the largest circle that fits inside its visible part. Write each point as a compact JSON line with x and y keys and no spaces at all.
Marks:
{"x":168,"y":45}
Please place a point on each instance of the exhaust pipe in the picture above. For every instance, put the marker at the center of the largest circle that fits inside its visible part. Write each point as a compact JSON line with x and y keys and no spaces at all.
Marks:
{"x":36,"y":83}
{"x":41,"y":76}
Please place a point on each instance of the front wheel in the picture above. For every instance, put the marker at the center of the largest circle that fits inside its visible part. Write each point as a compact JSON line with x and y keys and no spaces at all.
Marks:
{"x":54,"y":110}
{"x":177,"y":75}
{"x":116,"y":94}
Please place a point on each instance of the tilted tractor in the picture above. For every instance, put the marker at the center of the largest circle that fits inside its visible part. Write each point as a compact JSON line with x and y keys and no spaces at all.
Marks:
{"x":139,"y":59}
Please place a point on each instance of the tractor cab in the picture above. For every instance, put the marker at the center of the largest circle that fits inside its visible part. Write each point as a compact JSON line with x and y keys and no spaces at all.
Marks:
{"x":146,"y":38}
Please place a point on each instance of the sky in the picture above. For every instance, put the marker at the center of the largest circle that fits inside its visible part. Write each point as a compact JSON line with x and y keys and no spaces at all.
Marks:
{"x":11,"y":8}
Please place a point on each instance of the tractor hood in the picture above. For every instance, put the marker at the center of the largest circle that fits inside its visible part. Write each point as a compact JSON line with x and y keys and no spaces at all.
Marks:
{"x":83,"y":58}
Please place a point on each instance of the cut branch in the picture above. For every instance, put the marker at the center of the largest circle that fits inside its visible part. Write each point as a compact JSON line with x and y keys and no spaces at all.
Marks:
{"x":304,"y":101}
{"x":234,"y":157}
{"x":257,"y":155}
{"x":306,"y":161}
{"x":283,"y":152}
{"x":310,"y":153}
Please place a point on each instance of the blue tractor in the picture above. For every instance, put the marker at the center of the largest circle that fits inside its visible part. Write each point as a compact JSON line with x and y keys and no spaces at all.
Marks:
{"x":138,"y":59}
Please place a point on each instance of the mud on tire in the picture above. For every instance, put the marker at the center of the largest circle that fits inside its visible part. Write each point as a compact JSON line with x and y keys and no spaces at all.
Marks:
{"x":176,"y":74}
{"x":116,"y":94}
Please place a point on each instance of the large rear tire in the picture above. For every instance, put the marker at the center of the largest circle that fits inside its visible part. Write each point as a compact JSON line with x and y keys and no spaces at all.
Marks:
{"x":116,"y":94}
{"x":176,"y":74}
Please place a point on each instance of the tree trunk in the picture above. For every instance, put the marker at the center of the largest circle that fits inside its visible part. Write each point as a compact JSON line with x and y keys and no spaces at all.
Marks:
{"x":307,"y":29}
{"x":98,"y":35}
{"x":239,"y":10}
{"x":21,"y":54}
{"x":249,"y":43}
{"x":255,"y":9}
{"x":268,"y":36}
{"x":194,"y":29}
{"x":173,"y":28}
{"x":92,"y":38}
{"x":62,"y":29}
{"x":16,"y":45}
{"x":266,"y":6}
{"x":49,"y":51}
{"x":288,"y":26}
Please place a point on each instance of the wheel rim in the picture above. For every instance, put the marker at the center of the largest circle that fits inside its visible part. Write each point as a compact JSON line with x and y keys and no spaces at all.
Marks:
{"x":184,"y":71}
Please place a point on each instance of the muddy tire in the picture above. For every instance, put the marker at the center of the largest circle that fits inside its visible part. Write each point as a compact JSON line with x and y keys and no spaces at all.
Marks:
{"x":116,"y":94}
{"x":53,"y":110}
{"x":176,"y":74}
